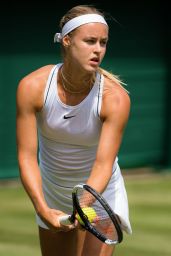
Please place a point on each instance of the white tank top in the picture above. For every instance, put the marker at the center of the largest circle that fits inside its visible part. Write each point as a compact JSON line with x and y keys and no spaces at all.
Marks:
{"x":68,"y":139}
{"x":68,"y":135}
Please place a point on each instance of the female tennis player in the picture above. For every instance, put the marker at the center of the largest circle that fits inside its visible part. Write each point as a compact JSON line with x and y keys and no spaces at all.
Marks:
{"x":74,"y":113}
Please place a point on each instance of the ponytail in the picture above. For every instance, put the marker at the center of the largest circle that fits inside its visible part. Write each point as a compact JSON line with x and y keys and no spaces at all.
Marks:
{"x":112,"y":77}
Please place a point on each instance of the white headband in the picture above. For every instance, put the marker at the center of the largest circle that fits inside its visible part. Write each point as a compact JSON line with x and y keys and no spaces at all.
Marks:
{"x":76,"y":22}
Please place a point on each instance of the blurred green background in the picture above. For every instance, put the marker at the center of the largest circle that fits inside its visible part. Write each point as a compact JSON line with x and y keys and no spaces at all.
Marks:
{"x":139,"y":52}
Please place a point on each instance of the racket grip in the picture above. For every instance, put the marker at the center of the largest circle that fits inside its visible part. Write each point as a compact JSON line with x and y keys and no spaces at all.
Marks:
{"x":65,"y":220}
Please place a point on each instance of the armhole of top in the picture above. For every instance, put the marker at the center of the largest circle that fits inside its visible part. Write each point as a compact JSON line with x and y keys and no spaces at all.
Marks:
{"x":48,"y":84}
{"x":100,"y":93}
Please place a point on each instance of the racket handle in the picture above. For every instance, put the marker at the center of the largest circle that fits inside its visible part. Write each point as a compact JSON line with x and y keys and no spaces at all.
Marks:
{"x":65,"y":220}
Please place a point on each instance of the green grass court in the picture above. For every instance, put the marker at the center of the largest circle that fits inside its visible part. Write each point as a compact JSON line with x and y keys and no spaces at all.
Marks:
{"x":150,"y":213}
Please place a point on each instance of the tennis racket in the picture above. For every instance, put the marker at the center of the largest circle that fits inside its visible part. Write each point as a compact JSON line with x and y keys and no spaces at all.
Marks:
{"x":104,"y":224}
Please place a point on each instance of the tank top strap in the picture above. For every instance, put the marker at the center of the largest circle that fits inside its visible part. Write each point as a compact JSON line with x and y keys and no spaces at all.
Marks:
{"x":100,"y":93}
{"x":50,"y":84}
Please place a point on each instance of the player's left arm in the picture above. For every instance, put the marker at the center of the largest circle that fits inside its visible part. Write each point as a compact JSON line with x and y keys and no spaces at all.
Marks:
{"x":114,"y":115}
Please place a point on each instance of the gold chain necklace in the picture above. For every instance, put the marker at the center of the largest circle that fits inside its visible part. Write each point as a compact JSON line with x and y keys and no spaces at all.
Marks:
{"x":63,"y":78}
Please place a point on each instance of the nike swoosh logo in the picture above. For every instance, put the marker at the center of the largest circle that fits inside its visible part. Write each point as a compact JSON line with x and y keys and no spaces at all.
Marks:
{"x":67,"y":117}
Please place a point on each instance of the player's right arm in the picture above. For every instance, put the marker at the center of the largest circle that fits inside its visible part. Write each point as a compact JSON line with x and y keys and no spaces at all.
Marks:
{"x":29,"y":100}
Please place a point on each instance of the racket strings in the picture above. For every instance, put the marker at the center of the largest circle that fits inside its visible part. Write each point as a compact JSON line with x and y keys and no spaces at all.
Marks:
{"x":102,"y":221}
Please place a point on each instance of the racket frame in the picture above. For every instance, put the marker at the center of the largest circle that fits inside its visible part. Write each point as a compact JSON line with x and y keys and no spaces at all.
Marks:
{"x":87,"y":225}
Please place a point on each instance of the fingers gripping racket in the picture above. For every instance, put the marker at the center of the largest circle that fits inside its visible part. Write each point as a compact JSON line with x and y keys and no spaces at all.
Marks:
{"x":100,"y":220}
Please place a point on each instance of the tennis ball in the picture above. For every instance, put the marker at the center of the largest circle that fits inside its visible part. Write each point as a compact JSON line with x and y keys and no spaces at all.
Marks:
{"x":89,"y":212}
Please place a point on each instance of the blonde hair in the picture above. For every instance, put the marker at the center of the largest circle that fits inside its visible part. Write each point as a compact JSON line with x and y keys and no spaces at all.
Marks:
{"x":77,"y":11}
{"x":89,"y":9}
{"x":112,"y":77}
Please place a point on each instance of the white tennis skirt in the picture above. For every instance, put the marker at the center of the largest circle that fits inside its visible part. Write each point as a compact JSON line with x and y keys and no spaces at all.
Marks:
{"x":60,"y":198}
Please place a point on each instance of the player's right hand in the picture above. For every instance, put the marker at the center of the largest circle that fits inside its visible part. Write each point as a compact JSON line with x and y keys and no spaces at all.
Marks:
{"x":51,"y":218}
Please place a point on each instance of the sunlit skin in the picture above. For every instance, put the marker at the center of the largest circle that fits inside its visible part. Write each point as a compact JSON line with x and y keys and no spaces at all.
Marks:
{"x":84,"y":51}
{"x":87,"y":51}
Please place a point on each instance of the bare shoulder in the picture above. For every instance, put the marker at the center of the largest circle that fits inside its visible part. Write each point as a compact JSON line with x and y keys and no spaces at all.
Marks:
{"x":31,"y":87}
{"x":37,"y":78}
{"x":116,"y":100}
